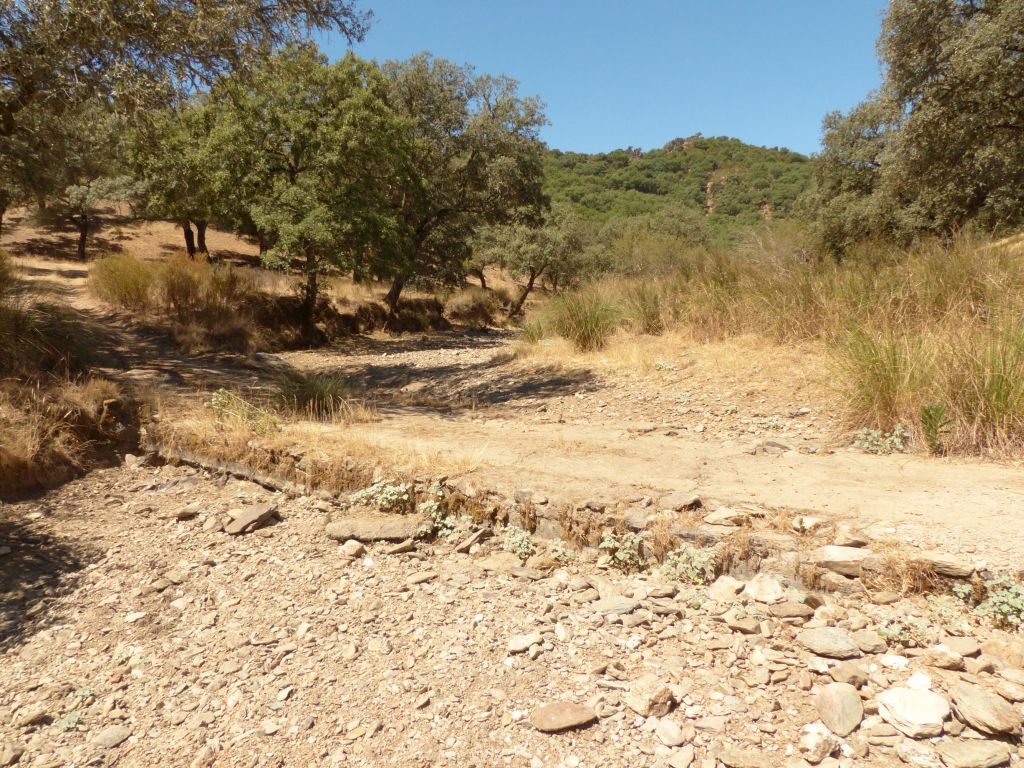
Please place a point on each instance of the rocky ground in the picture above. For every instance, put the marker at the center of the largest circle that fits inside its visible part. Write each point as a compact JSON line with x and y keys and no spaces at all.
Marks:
{"x":138,"y":631}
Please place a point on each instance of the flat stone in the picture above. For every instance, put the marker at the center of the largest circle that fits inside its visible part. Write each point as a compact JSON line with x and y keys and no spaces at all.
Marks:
{"x":421,"y":578}
{"x":840,"y":708}
{"x":615,"y":605}
{"x":521,"y":643}
{"x":745,"y":758}
{"x":852,"y":672}
{"x":726,"y":516}
{"x":965,"y":646}
{"x":944,"y":564}
{"x":249,"y":518}
{"x":918,"y":754}
{"x":985,"y":711}
{"x":974,"y":754}
{"x":669,"y":733}
{"x":847,"y":561}
{"x":353,"y":548}
{"x":1010,"y":691}
{"x":111,"y":736}
{"x":561,"y":716}
{"x":376,"y":528}
{"x":870,"y":642}
{"x":10,"y":753}
{"x":764,"y":589}
{"x":500,"y":562}
{"x":725,"y":589}
{"x":737,"y":622}
{"x":831,"y":642}
{"x":791,"y":610}
{"x":848,"y":536}
{"x":683,"y":757}
{"x":917,"y":714}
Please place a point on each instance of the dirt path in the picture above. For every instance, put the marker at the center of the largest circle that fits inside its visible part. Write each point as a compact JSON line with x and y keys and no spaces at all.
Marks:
{"x":578,"y":434}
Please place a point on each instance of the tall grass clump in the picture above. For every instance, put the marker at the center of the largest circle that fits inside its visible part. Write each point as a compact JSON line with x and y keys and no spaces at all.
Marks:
{"x":319,"y":397}
{"x":587,"y":318}
{"x":123,"y":281}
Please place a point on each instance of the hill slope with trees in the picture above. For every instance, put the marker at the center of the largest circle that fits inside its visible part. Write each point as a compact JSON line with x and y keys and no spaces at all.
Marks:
{"x":733,"y":183}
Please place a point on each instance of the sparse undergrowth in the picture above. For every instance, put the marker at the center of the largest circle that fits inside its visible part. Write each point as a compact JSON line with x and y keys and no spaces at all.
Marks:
{"x":927,"y":341}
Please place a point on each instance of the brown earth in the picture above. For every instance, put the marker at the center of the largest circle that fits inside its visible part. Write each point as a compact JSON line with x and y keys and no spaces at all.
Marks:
{"x":129,"y":617}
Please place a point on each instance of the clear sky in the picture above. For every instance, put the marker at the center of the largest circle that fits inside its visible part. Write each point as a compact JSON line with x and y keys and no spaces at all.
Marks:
{"x":618,"y":74}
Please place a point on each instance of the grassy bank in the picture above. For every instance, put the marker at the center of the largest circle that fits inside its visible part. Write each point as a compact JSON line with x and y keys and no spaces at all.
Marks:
{"x":929,"y":340}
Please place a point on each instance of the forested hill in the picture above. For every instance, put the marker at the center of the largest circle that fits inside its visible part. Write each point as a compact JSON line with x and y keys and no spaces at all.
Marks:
{"x":732,"y":182}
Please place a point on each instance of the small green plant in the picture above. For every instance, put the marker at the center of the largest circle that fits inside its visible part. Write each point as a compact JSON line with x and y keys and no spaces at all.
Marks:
{"x":518,"y":542}
{"x":624,"y":550}
{"x":438,"y":522}
{"x":690,"y":564}
{"x":535,"y":330}
{"x":875,"y":441}
{"x":563,"y":554}
{"x":933,"y":422}
{"x":229,"y":406}
{"x":70,"y":721}
{"x":387,"y":497}
{"x":907,"y":631}
{"x":771,"y":423}
{"x":1003,"y":605}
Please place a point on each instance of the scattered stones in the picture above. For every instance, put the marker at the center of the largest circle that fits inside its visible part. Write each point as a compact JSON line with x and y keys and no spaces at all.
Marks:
{"x":831,"y":642}
{"x":375,"y":528}
{"x":917,"y":714}
{"x":561,"y":716}
{"x":840,"y":708}
{"x":985,"y":711}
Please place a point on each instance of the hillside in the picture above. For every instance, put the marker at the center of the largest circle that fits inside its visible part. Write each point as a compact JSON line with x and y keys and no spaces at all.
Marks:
{"x":732,"y":182}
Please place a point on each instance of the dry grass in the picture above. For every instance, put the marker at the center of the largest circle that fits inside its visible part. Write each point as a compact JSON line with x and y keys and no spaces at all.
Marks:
{"x":330,"y":456}
{"x":930,"y":339}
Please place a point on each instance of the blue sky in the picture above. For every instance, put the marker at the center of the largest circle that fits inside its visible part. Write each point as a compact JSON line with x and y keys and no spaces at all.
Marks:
{"x":617,"y":74}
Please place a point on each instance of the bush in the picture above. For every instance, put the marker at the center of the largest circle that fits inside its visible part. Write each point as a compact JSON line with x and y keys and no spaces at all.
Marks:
{"x":123,"y":281}
{"x":644,"y":308}
{"x":690,"y":564}
{"x":317,"y":396}
{"x":587,"y":318}
{"x":475,"y":306}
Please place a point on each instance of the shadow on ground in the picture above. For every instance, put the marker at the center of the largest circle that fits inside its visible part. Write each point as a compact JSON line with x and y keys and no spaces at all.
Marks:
{"x":36,"y":571}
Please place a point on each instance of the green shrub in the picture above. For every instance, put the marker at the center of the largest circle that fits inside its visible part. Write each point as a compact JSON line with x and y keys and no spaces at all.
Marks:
{"x":692,"y":565}
{"x":625,"y":550}
{"x":123,"y":281}
{"x":518,"y":542}
{"x":587,"y":318}
{"x":535,"y":329}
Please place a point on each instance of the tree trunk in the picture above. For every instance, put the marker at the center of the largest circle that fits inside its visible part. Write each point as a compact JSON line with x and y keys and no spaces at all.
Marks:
{"x":518,"y":306}
{"x":262,"y":240}
{"x":395,"y":293}
{"x":3,"y":212}
{"x":190,"y":239}
{"x":201,"y":238}
{"x":309,"y":306}
{"x":83,"y":234}
{"x":479,"y":273}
